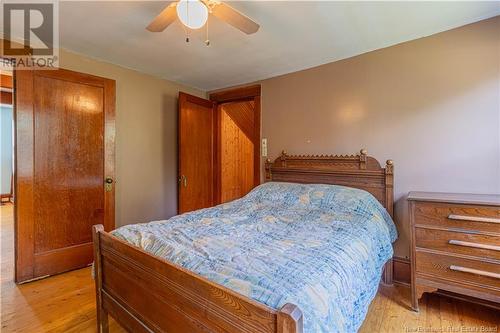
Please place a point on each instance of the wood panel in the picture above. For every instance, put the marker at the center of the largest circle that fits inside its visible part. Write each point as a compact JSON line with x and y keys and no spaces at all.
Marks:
{"x":196,"y":134}
{"x":242,"y":114}
{"x":64,"y":131}
{"x":237,"y":150}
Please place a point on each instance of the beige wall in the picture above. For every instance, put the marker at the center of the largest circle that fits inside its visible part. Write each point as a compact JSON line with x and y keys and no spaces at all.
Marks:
{"x":146,"y":139}
{"x":432,"y":105}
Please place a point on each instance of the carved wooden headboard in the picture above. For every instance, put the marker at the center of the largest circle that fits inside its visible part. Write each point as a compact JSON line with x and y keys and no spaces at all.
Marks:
{"x":359,"y":171}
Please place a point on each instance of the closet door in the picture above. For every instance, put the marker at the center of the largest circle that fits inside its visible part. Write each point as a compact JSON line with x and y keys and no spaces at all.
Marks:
{"x":64,"y":158}
{"x":196,"y":153}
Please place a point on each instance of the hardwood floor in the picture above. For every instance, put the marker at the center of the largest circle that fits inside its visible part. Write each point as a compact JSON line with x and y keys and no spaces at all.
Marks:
{"x":66,"y":303}
{"x":61,"y":303}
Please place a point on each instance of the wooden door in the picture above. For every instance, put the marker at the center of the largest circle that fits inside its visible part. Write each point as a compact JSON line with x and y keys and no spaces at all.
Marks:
{"x":64,"y":159}
{"x":196,"y":153}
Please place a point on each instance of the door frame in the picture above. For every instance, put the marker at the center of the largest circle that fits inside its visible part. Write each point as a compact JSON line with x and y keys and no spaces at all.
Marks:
{"x":6,"y":95}
{"x":247,"y":93}
{"x":24,"y":172}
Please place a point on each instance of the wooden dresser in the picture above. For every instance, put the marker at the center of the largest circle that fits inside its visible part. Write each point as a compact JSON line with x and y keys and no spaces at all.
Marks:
{"x":455,"y":244}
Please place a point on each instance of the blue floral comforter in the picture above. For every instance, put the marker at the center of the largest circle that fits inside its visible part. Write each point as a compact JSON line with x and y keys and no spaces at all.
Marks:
{"x":321,"y":247}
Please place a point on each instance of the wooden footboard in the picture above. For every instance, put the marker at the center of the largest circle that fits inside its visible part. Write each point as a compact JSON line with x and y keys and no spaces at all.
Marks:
{"x":147,"y":294}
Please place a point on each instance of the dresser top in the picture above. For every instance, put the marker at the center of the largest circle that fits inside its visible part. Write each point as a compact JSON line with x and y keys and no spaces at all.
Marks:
{"x":459,"y":198}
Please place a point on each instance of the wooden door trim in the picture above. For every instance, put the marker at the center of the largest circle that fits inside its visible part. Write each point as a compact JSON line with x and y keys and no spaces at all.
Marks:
{"x":236,"y":94}
{"x":23,"y":175}
{"x":195,"y":99}
{"x":71,"y":76}
{"x":257,"y":138}
{"x":217,"y":155}
{"x":24,"y":151}
{"x":182,"y":98}
{"x":109,"y":151}
{"x":249,"y":93}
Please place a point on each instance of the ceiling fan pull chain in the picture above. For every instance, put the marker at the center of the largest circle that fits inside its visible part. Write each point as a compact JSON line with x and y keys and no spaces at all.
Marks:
{"x":186,"y":31}
{"x":186,"y":28}
{"x":207,"y":41}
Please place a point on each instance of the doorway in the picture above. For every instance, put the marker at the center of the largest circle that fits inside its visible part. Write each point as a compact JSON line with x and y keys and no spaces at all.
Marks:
{"x":237,"y":141}
{"x":219,"y":147}
{"x":6,"y":139}
{"x":236,"y":149}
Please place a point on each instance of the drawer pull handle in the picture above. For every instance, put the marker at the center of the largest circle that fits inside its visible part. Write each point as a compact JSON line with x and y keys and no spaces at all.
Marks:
{"x":474,"y":271}
{"x":476,"y":245}
{"x":473,"y":218}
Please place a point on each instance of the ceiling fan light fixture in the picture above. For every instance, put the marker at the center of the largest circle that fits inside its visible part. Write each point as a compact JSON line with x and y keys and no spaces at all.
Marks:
{"x":192,"y":13}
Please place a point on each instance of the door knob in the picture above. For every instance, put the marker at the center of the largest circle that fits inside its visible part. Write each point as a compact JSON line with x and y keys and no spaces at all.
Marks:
{"x":108,"y":184}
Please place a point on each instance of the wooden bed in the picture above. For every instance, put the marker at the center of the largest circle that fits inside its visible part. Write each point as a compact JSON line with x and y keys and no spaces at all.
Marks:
{"x":148,"y":294}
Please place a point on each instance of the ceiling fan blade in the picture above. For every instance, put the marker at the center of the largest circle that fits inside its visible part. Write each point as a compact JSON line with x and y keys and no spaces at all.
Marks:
{"x":230,"y":15}
{"x":164,"y":19}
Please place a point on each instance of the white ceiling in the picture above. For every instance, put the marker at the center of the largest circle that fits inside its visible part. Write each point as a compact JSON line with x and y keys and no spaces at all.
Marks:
{"x":293,"y":36}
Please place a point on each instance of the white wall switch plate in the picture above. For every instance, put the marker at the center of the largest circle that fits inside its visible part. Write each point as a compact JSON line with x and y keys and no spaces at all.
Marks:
{"x":264,"y":147}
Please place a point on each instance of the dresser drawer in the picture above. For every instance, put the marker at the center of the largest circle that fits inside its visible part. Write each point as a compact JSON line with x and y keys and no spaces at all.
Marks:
{"x":458,"y":242}
{"x":467,"y":217}
{"x":459,"y":270}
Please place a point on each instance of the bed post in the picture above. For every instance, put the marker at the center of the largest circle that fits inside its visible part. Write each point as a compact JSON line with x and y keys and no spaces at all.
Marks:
{"x":389,"y":187}
{"x":267,"y":168}
{"x":102,"y":315}
{"x":389,"y":205}
{"x":290,"y":319}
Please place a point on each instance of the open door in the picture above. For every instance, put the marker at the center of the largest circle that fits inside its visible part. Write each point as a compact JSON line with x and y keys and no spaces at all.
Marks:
{"x":196,"y":134}
{"x":64,"y":168}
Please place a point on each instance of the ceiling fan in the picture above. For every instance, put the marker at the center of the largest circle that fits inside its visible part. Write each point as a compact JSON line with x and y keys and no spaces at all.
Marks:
{"x":193,"y":14}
